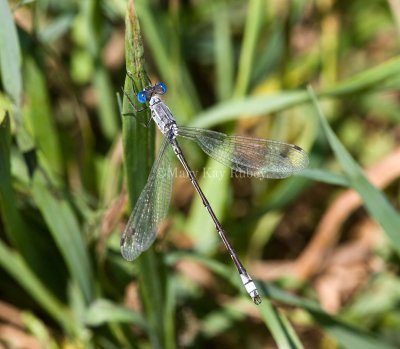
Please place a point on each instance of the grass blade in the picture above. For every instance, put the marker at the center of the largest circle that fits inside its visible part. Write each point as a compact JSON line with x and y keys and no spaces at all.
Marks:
{"x":223,"y":49}
{"x":10,"y":55}
{"x":220,"y":321}
{"x":138,"y":141}
{"x":223,"y":319}
{"x":248,"y":107}
{"x":17,"y":232}
{"x":178,"y":74}
{"x":139,"y":156}
{"x":103,"y":311}
{"x":263,"y":104}
{"x":374,"y":200}
{"x":106,"y":107}
{"x":14,"y":264}
{"x":253,"y":25}
{"x":325,"y":177}
{"x":39,"y":116}
{"x":199,"y":225}
{"x":13,"y":223}
{"x":348,"y":336}
{"x":10,"y":67}
{"x":365,"y":80}
{"x":20,"y":271}
{"x":280,"y":328}
{"x":66,"y":233}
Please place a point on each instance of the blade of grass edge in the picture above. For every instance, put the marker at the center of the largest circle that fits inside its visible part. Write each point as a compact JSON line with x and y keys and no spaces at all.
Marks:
{"x":20,"y":271}
{"x":139,"y":156}
{"x":14,"y":263}
{"x":10,"y":55}
{"x":15,"y":227}
{"x":102,"y":311}
{"x":11,"y":74}
{"x":251,"y":32}
{"x":39,"y":115}
{"x":156,"y":33}
{"x":374,"y":200}
{"x":280,"y":328}
{"x":66,"y":232}
{"x":347,"y":335}
{"x":368,"y":80}
{"x":278,"y":325}
{"x":223,"y":51}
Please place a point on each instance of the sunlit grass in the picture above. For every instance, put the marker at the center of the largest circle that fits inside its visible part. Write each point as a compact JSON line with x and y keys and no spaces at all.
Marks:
{"x":241,"y":67}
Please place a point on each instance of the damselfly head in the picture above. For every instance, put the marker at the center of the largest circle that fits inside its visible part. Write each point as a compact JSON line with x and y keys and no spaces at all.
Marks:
{"x":146,"y":94}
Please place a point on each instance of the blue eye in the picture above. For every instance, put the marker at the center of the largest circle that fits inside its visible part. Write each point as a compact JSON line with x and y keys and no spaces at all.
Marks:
{"x":161,"y":88}
{"x":141,"y":97}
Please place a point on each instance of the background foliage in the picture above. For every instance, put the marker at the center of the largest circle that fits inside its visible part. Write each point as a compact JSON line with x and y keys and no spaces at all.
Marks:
{"x":324,"y":245}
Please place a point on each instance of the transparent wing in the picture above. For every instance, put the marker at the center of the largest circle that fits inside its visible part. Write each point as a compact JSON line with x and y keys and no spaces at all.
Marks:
{"x":151,"y":207}
{"x":250,"y":156}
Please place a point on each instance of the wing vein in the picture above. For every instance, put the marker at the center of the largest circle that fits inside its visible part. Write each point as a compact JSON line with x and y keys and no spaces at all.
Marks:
{"x":249,"y":156}
{"x":150,"y":209}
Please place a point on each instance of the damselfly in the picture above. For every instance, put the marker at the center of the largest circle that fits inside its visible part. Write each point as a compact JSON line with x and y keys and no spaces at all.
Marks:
{"x":250,"y":156}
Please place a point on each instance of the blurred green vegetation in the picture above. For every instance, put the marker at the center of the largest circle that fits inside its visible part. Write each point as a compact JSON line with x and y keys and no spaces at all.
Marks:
{"x":237,"y":66}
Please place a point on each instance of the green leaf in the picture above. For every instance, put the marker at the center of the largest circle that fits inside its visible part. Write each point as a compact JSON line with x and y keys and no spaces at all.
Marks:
{"x":20,"y":271}
{"x":217,"y":267}
{"x":251,"y":32}
{"x":57,"y":28}
{"x":106,"y":103}
{"x":384,"y":289}
{"x":66,"y":232}
{"x":234,"y":109}
{"x":103,"y":311}
{"x":374,"y":200}
{"x":10,"y":55}
{"x":164,"y":44}
{"x":10,"y":68}
{"x":12,"y":220}
{"x":18,"y":233}
{"x":221,"y":320}
{"x":347,"y":335}
{"x":199,"y":225}
{"x":325,"y":177}
{"x":224,"y":55}
{"x":280,"y":328}
{"x":139,"y":156}
{"x":371,"y":78}
{"x":40,"y":118}
{"x":248,"y":107}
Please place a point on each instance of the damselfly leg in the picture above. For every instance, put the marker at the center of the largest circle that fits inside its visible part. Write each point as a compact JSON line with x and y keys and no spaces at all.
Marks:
{"x":137,"y":110}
